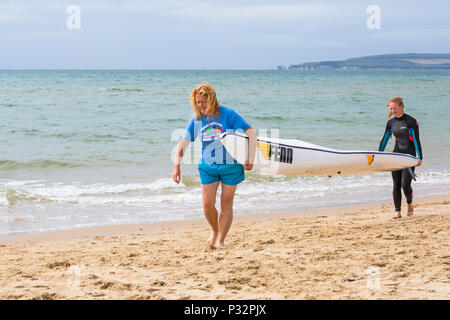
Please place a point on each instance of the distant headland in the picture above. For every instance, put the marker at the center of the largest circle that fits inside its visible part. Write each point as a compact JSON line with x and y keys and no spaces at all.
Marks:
{"x":406,"y":61}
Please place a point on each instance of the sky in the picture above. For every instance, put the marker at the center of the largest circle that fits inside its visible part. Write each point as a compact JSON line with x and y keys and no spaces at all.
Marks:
{"x":201,"y":34}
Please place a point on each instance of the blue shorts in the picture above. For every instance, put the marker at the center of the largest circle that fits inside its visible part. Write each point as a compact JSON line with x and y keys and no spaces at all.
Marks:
{"x":229,"y":174}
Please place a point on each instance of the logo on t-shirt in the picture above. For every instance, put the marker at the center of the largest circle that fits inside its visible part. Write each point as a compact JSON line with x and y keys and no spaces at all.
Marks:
{"x":211,"y":131}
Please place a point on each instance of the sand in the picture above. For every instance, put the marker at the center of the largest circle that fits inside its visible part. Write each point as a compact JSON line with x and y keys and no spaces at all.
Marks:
{"x":345,"y":253}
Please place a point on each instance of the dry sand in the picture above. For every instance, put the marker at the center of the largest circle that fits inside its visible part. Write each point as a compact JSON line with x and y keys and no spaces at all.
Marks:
{"x":346,"y":253}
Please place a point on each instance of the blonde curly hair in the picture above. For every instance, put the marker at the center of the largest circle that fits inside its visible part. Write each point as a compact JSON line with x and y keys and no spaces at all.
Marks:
{"x":205,"y":89}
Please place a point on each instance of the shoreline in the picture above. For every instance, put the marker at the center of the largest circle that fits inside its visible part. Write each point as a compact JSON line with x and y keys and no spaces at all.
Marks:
{"x":158,"y":227}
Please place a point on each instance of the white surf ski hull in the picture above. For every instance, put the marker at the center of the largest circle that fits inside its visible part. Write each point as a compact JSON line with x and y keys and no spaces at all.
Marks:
{"x":295,"y":157}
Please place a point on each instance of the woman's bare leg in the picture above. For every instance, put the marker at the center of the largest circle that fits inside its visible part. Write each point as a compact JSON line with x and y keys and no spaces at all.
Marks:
{"x":209,"y":192}
{"x":226,"y":214}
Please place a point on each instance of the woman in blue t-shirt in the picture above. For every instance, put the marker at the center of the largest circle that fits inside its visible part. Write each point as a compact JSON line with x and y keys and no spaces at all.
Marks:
{"x":216,"y":165}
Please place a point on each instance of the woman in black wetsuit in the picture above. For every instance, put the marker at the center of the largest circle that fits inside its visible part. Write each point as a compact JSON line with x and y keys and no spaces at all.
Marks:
{"x":406,"y":132}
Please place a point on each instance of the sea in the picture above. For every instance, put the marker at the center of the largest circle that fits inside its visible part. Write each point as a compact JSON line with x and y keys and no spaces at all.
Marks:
{"x":81,"y":148}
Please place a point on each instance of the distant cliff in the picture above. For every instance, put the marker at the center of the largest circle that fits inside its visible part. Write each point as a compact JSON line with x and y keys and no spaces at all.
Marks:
{"x":407,"y":61}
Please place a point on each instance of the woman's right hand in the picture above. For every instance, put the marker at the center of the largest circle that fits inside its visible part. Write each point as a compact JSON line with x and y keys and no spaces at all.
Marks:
{"x":176,"y":174}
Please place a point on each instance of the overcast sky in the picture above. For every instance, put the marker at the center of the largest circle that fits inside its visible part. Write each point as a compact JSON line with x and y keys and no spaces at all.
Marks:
{"x":196,"y":34}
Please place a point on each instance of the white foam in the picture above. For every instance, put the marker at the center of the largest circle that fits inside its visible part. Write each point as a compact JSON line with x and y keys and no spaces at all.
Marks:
{"x":40,"y":205}
{"x":3,"y":200}
{"x":165,"y":191}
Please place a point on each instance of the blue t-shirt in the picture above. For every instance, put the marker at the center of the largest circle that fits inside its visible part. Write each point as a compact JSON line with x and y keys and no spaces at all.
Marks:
{"x":209,"y":129}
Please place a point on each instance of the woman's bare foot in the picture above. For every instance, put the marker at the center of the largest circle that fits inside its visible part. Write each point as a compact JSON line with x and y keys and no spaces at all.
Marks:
{"x":410,"y":209}
{"x":219,"y":245}
{"x":397,"y":215}
{"x":211,"y":242}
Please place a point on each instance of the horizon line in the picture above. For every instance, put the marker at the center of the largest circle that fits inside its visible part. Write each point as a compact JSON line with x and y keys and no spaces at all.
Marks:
{"x":127,"y":69}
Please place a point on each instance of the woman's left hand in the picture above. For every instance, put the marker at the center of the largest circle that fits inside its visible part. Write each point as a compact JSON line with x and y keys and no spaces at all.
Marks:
{"x":248,"y":166}
{"x":419,"y":163}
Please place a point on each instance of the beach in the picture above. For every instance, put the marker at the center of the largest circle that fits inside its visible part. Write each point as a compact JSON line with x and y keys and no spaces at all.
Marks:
{"x":98,"y":102}
{"x":355,"y":252}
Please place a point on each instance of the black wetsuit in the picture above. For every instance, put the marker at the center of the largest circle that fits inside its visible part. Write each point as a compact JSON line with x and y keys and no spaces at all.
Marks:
{"x":406,"y":133}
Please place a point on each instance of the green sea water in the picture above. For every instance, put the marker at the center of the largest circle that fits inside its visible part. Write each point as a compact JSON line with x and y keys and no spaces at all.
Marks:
{"x":83,"y":148}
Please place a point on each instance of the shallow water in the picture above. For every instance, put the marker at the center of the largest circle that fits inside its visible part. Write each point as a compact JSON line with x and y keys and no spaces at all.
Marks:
{"x":84,"y":148}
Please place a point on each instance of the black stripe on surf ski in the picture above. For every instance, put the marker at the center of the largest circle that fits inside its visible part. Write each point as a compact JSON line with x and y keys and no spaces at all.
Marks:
{"x":321,"y":150}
